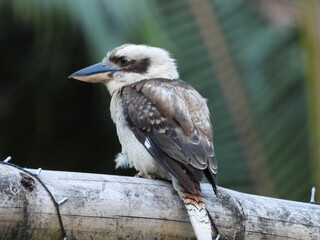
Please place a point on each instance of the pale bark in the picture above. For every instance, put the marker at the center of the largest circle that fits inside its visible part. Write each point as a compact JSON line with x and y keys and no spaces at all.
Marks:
{"x":116,"y":207}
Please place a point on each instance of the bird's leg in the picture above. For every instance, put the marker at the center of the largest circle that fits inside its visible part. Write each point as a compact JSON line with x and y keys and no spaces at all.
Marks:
{"x":144,"y":175}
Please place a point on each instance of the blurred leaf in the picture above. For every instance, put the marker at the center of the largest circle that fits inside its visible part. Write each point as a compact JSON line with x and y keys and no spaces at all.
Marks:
{"x":268,"y":61}
{"x":62,"y":124}
{"x":310,"y":35}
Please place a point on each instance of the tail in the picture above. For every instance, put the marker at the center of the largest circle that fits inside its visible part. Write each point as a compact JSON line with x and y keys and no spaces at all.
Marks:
{"x":196,"y":210}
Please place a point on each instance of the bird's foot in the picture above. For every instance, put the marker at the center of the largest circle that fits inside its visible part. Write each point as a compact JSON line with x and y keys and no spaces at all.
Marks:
{"x":143,"y":175}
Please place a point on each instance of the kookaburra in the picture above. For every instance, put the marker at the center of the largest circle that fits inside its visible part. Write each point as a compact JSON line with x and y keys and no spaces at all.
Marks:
{"x":162,"y":123}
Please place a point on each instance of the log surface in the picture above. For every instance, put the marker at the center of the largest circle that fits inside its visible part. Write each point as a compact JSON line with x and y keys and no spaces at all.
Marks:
{"x":116,"y":207}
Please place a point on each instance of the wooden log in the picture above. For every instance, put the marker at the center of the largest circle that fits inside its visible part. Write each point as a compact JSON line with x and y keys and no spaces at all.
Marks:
{"x":116,"y":207}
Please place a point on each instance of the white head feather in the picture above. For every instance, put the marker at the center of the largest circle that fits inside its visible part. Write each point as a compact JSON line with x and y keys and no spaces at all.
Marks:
{"x":160,"y":65}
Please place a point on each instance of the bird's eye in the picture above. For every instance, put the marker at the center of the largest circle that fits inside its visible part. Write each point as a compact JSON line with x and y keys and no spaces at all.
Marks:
{"x":124,"y":60}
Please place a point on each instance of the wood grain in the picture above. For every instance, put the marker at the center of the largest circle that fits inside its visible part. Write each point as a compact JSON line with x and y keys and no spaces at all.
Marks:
{"x":117,"y":207}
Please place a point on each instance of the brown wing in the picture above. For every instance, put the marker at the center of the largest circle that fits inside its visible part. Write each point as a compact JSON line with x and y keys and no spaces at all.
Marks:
{"x":171,"y":120}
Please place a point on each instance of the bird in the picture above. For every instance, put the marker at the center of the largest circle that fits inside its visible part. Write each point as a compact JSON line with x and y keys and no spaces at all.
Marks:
{"x":163,"y":123}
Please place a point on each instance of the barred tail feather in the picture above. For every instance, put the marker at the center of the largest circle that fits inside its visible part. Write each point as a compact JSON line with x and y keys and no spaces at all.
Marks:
{"x":196,"y":210}
{"x":197,"y":213}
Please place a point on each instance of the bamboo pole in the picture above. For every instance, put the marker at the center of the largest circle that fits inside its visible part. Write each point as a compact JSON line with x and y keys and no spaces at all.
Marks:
{"x":117,"y":207}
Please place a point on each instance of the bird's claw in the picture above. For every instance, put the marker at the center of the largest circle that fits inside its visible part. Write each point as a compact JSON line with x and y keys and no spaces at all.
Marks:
{"x":143,"y":175}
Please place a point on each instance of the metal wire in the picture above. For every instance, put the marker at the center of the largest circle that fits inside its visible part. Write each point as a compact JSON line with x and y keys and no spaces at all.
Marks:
{"x":56,"y":204}
{"x":313,"y":194}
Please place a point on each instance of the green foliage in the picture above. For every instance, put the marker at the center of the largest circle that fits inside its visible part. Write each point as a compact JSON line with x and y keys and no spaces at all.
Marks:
{"x":62,"y":124}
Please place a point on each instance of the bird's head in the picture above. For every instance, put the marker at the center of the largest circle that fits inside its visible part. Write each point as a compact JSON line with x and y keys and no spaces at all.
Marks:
{"x":127,"y":64}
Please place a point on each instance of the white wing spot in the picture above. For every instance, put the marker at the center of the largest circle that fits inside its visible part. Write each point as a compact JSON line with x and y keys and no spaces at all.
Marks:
{"x":147,"y":144}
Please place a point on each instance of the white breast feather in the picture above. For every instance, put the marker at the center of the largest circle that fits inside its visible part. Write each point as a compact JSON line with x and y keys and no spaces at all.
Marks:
{"x":133,"y":152}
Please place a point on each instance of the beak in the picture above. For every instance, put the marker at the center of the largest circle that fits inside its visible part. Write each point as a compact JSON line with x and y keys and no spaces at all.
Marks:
{"x":95,"y":73}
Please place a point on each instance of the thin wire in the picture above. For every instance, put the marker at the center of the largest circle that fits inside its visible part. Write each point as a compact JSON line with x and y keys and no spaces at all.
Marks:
{"x":313,"y":196}
{"x":63,"y":232}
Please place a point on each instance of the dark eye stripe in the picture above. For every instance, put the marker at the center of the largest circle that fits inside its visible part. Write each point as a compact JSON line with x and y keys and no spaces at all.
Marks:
{"x":139,"y":66}
{"x":124,"y":60}
{"x":121,"y":61}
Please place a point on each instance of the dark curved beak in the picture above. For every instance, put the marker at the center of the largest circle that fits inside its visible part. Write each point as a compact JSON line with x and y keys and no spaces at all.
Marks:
{"x":94,"y":73}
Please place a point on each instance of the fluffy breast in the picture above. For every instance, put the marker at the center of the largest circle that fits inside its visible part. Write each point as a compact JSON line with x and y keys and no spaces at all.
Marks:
{"x":133,"y":152}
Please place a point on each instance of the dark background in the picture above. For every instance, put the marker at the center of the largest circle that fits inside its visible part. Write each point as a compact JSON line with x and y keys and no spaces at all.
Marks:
{"x":250,"y":66}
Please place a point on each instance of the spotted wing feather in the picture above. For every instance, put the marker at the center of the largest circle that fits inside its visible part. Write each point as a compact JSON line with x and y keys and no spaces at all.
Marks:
{"x":173,"y":120}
